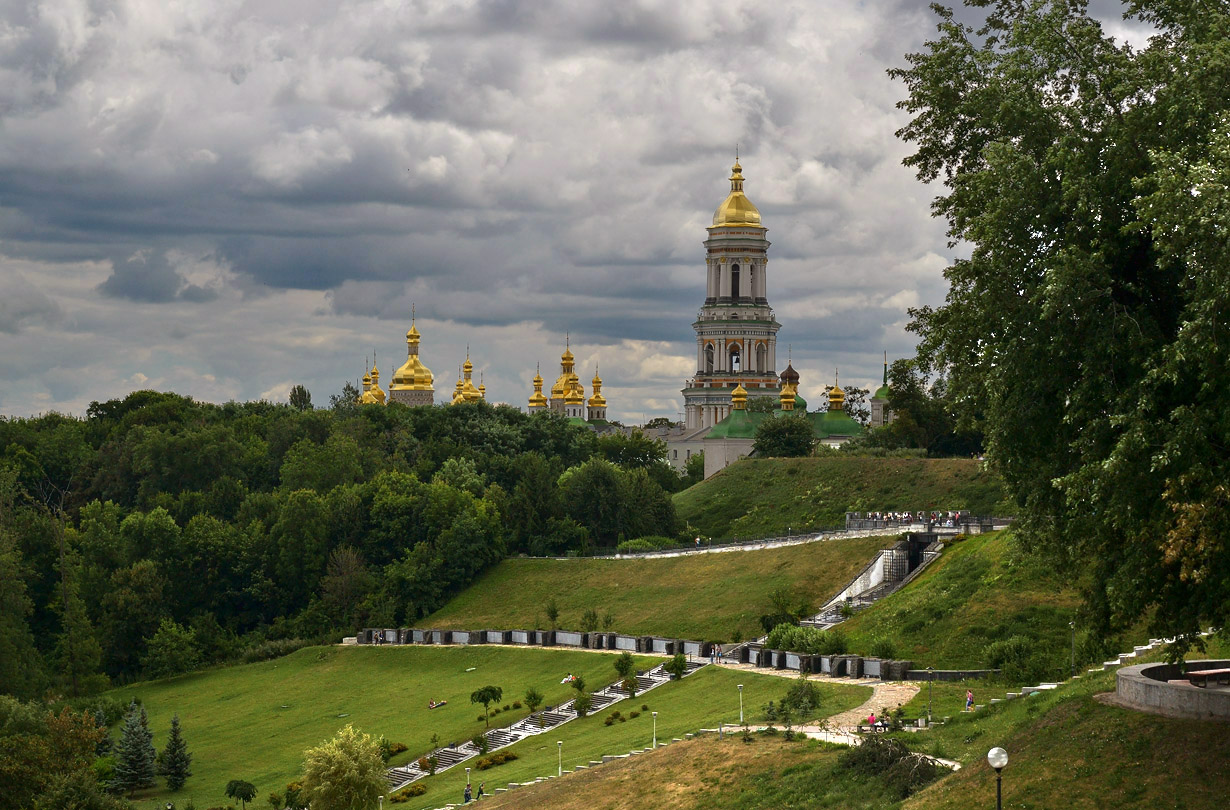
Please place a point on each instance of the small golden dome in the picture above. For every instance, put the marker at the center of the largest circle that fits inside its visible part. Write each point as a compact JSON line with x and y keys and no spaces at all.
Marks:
{"x":738,"y":397}
{"x":413,"y":375}
{"x":837,"y":398}
{"x":537,"y":400}
{"x":736,"y":209}
{"x":787,"y":396}
{"x":597,"y":400}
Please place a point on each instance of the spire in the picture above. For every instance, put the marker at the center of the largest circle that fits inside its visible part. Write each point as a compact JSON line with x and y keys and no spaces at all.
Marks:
{"x":736,"y":210}
{"x":886,"y":367}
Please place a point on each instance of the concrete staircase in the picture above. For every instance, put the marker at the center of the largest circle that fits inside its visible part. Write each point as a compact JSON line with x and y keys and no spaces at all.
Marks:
{"x":536,"y":723}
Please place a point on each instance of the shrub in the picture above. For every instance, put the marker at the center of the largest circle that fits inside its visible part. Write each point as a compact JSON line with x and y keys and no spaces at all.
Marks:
{"x":509,"y":708}
{"x":492,"y":760}
{"x":883,"y":648}
{"x":1017,"y":659}
{"x":274,"y":648}
{"x":516,"y":704}
{"x":609,"y":721}
{"x":408,"y":792}
{"x":903,"y":771}
{"x":809,"y":640}
{"x":644,"y":707}
{"x":633,"y":715}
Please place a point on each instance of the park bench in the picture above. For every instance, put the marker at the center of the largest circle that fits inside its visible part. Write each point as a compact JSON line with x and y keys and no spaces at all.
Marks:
{"x":1220,"y":676}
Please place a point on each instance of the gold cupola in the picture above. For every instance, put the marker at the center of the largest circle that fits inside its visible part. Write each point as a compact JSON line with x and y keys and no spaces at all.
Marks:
{"x":468,"y":390}
{"x":837,"y":397}
{"x":482,"y":388}
{"x":736,"y":210}
{"x":367,"y":388}
{"x":413,"y":375}
{"x":376,"y":392}
{"x":597,"y":400}
{"x":787,"y":396}
{"x":537,"y":400}
{"x":458,"y":393}
{"x":738,"y":398}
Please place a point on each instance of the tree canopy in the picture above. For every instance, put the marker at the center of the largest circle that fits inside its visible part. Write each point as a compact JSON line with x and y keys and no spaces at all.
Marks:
{"x":344,"y":773}
{"x":1086,"y":333}
{"x":784,"y":437}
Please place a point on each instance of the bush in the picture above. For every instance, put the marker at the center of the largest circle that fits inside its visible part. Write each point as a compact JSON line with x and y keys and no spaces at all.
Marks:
{"x":883,"y":648}
{"x":635,"y":547}
{"x":644,"y":707}
{"x":516,"y":704}
{"x":1018,"y":659}
{"x":408,"y":792}
{"x":492,"y":760}
{"x":275,"y":648}
{"x":803,"y":697}
{"x":609,"y":721}
{"x":633,"y":715}
{"x":809,"y":640}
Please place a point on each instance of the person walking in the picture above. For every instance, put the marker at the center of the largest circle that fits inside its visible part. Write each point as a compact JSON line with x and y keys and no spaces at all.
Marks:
{"x":481,"y":791}
{"x":969,"y":700}
{"x":465,"y":797}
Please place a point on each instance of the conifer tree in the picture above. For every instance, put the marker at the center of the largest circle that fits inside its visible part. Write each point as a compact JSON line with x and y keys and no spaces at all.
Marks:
{"x":105,"y":744}
{"x":134,"y":755}
{"x":175,"y":758}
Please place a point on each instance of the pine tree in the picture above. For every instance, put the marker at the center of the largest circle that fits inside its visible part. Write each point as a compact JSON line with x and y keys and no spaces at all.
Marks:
{"x":104,"y":745}
{"x":134,"y":755}
{"x":175,"y":758}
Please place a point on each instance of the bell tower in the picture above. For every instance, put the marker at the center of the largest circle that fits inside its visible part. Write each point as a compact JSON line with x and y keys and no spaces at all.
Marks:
{"x":736,"y":331}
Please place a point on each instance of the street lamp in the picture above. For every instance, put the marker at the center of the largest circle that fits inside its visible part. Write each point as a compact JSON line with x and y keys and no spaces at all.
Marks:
{"x":467,"y":777}
{"x":655,"y":729}
{"x":560,"y":747}
{"x":1072,"y":624}
{"x":997,"y":758}
{"x":740,"y":704}
{"x":380,"y":801}
{"x":930,"y":684}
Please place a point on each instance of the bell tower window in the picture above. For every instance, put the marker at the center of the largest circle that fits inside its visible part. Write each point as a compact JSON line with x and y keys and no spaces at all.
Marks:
{"x":709,"y":359}
{"x":734,"y":281}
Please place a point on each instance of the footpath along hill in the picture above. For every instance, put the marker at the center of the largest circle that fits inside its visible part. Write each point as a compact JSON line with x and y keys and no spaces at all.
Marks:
{"x":758,"y":497}
{"x":718,"y":596}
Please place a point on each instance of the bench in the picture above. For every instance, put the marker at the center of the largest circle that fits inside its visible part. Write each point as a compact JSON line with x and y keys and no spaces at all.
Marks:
{"x":1220,"y":676}
{"x":876,"y":728}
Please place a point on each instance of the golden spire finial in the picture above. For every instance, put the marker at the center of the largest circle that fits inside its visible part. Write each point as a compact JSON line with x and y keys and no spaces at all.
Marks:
{"x":412,"y":313}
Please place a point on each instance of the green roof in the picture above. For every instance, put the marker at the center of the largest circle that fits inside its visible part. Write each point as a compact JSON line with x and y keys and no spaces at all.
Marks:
{"x":835,"y":423}
{"x":739,"y":424}
{"x":881,"y":393}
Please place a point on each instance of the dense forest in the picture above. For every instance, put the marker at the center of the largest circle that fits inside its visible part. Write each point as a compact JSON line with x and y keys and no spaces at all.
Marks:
{"x":158,"y":534}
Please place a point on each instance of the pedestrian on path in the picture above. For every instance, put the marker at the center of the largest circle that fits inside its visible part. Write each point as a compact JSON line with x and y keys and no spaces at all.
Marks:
{"x":465,"y":797}
{"x":969,"y":700}
{"x":481,"y":785}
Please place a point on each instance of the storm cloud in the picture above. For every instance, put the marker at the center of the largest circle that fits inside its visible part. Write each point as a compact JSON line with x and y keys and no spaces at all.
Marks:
{"x":228,"y":198}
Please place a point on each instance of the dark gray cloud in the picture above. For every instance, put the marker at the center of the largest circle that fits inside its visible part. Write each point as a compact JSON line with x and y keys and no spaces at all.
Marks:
{"x":227,"y":199}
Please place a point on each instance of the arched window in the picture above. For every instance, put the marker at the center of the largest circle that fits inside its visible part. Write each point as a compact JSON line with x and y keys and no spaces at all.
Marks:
{"x":734,"y":358}
{"x":734,"y":281}
{"x":751,"y":280}
{"x":709,"y":359}
{"x":762,"y":357}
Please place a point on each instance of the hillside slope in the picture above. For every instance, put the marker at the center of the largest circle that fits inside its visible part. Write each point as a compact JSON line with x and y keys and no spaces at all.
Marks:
{"x":757,"y":497}
{"x":703,"y":596}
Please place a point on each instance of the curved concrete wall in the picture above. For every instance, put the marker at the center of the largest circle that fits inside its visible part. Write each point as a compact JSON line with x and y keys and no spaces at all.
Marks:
{"x":1145,"y":687}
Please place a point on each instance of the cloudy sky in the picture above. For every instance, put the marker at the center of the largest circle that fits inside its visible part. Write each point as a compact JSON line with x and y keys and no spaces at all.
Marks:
{"x":224,"y":198}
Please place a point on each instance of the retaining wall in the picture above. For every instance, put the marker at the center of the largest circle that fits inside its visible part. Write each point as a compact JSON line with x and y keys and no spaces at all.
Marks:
{"x":1146,"y":687}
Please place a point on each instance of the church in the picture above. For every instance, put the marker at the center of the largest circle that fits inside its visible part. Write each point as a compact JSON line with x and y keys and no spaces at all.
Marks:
{"x":736,"y":351}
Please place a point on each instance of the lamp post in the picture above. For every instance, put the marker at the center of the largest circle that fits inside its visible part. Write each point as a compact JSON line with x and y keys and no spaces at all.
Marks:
{"x":380,"y":801}
{"x":740,"y":704}
{"x":467,"y":777}
{"x":560,"y":747}
{"x":997,"y":758}
{"x":655,"y":729}
{"x":930,"y":684}
{"x":1072,"y":624}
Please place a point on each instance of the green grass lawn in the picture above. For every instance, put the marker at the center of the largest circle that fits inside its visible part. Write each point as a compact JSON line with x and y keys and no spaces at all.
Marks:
{"x":701,"y":700}
{"x":1067,"y":749}
{"x":758,"y":497}
{"x":253,"y":722}
{"x":700,"y":596}
{"x":980,"y":590}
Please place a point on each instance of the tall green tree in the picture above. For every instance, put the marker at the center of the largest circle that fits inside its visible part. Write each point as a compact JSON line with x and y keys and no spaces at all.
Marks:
{"x":784,"y":437}
{"x":344,"y":773}
{"x":176,"y":762}
{"x":134,"y":753}
{"x":1087,"y":333}
{"x":241,"y":791}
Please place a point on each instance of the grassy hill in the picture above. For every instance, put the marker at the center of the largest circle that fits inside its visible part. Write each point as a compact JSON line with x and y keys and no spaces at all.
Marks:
{"x":981,"y":590}
{"x":700,"y":596}
{"x":757,"y":497}
{"x":253,"y":722}
{"x":1066,"y":749}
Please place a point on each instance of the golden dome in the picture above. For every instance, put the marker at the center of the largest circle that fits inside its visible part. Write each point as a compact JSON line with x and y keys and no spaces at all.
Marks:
{"x":738,"y":397}
{"x":736,"y":209}
{"x":837,"y":397}
{"x":413,"y":375}
{"x":375,"y":394}
{"x":537,"y":400}
{"x":787,"y":396}
{"x":597,"y":400}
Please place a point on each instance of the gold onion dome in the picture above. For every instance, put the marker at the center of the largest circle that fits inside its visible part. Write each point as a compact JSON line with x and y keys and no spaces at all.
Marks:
{"x":375,"y":394}
{"x":738,"y":398}
{"x":413,"y":375}
{"x":537,"y":400}
{"x":736,"y":209}
{"x":597,"y":400}
{"x":837,"y":398}
{"x":574,"y":396}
